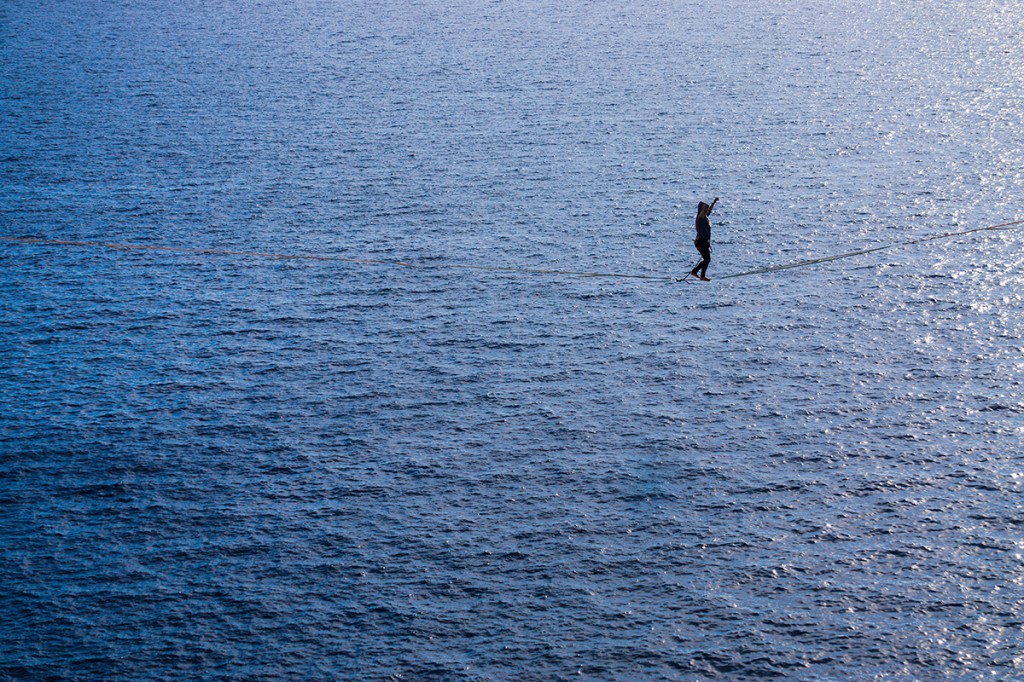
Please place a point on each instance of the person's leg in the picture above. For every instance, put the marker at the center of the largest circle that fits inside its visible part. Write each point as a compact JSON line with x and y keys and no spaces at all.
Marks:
{"x":705,"y":254}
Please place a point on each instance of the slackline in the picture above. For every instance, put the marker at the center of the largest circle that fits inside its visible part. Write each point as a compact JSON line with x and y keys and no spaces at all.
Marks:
{"x":319,"y":257}
{"x":489,"y":268}
{"x":851,"y":254}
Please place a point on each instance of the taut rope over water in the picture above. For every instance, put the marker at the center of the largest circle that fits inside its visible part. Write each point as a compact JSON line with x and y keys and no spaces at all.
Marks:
{"x":490,"y":268}
{"x":824,"y":259}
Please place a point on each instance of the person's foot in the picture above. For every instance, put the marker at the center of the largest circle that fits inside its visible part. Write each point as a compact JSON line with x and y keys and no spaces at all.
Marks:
{"x":694,"y":273}
{"x":703,"y":278}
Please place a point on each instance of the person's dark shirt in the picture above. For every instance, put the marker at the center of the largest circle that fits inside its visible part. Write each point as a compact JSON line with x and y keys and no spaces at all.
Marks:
{"x":703,"y":227}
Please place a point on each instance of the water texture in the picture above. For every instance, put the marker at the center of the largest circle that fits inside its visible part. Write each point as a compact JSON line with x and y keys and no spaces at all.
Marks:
{"x":235,"y":468}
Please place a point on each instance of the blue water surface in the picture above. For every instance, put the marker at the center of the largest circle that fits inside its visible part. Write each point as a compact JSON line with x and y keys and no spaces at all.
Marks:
{"x":228,"y":466}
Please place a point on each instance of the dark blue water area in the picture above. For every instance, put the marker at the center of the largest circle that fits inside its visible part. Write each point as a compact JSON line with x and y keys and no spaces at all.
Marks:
{"x":231,"y":466}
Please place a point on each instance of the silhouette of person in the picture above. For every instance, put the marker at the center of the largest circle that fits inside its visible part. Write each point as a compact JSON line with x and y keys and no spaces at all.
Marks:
{"x":703,"y":240}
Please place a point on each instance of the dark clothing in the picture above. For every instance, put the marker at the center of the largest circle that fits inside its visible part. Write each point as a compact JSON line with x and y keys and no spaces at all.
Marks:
{"x":704,"y":247}
{"x":703,"y":240}
{"x":703,"y":227}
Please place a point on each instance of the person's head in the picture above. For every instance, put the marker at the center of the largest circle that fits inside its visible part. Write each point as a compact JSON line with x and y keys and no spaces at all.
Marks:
{"x":702,"y":208}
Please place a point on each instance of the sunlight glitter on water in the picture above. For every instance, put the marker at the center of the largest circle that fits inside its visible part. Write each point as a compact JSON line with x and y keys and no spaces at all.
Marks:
{"x":232,"y":467}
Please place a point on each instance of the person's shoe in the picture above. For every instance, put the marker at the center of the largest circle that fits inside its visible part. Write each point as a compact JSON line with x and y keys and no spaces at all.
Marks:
{"x":703,"y":278}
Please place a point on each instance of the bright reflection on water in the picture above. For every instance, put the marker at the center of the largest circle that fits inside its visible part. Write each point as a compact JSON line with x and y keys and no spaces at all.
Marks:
{"x":243,"y":468}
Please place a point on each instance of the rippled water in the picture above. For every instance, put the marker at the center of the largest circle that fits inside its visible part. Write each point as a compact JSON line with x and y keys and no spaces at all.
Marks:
{"x":234,"y":467}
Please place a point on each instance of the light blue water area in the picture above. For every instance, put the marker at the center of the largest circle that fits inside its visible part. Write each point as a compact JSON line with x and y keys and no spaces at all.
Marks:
{"x":221,"y":466}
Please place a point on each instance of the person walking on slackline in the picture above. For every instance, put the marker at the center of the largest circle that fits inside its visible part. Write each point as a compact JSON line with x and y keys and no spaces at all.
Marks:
{"x":703,"y":240}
